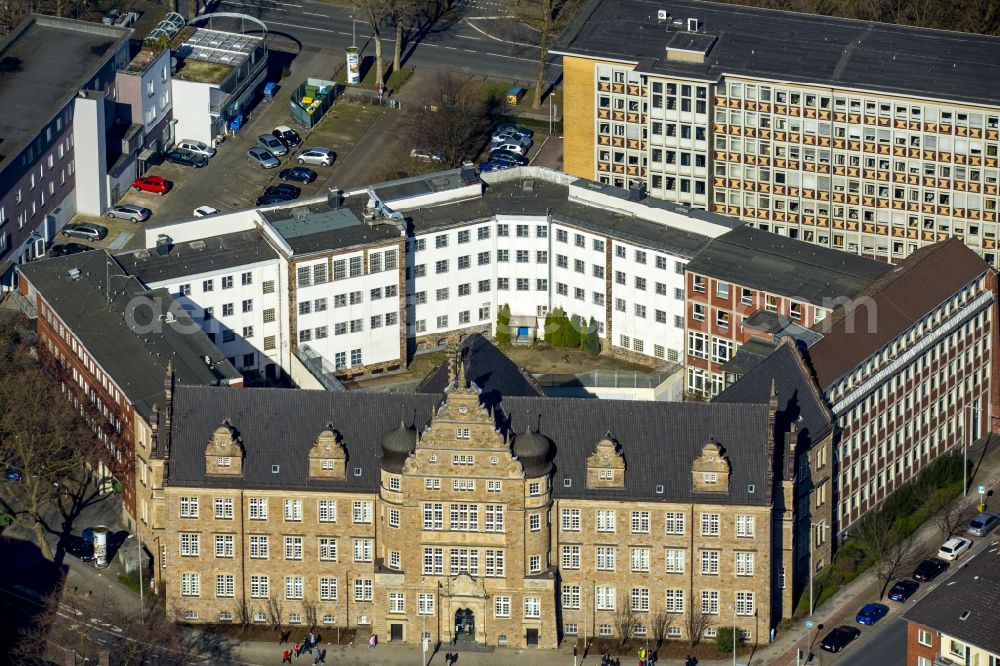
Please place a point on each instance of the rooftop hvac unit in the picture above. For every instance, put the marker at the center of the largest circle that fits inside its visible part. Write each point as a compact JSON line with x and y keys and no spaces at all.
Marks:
{"x":692,"y":25}
{"x":661,"y":15}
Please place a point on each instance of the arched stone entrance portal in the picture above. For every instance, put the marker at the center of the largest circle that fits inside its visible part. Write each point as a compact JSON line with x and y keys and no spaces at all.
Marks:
{"x":465,"y":625}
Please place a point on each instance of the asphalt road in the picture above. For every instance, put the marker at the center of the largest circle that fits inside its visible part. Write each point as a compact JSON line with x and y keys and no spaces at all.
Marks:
{"x":474,"y":38}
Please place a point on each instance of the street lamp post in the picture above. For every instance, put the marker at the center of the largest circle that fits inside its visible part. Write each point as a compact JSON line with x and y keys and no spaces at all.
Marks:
{"x":812,"y":569}
{"x":734,"y":634}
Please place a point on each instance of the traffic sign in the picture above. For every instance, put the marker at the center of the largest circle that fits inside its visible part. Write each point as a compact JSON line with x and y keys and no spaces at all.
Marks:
{"x":809,"y":624}
{"x":982,"y":489}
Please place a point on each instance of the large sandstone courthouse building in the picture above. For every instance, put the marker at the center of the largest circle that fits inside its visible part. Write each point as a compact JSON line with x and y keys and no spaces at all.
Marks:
{"x":477,"y":509}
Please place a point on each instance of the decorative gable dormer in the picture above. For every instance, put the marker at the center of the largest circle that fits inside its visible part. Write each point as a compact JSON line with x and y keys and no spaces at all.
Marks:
{"x":224,"y":453}
{"x":328,"y":456}
{"x":606,"y":465}
{"x":710,"y":470}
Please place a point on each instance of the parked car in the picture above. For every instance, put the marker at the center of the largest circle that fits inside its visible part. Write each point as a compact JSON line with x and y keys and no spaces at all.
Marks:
{"x":516,"y":148}
{"x":11,"y":474}
{"x":903,"y":590}
{"x":196,"y":147}
{"x":80,"y":548}
{"x":64,"y":249}
{"x":519,"y":160}
{"x":154,"y":184}
{"x":424,"y":154}
{"x":205,"y":211}
{"x":278,"y":194}
{"x":130,"y":212}
{"x":185,"y":158}
{"x":263,"y":158}
{"x":983,"y":524}
{"x":287,"y":135}
{"x":510,"y":136}
{"x":953,"y":548}
{"x":299,"y":173}
{"x":496,"y":165}
{"x":85,"y":230}
{"x":517,"y":128}
{"x":272,"y":143}
{"x":321,"y":156}
{"x":929,"y":569}
{"x":871,"y":613}
{"x":839,"y":638}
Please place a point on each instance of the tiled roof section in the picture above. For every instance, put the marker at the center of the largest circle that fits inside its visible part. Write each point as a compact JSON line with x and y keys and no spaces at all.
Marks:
{"x":966,"y":607}
{"x":659,"y":439}
{"x":785,"y":266}
{"x":126,"y":336}
{"x":924,"y":280}
{"x":799,"y":399}
{"x":206,"y":255}
{"x":490,"y":369}
{"x":789,"y":46}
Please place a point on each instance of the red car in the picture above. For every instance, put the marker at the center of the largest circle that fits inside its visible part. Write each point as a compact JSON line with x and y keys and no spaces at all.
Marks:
{"x":154,"y":184}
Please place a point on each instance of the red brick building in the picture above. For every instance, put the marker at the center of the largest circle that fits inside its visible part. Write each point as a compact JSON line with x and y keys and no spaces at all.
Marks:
{"x":110,"y":342}
{"x":751,"y":285}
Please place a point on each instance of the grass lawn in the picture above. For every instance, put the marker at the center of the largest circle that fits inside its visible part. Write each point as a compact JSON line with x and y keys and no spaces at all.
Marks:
{"x":206,"y":72}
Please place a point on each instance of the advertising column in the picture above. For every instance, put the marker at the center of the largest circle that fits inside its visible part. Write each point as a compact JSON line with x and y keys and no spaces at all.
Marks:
{"x":353,"y":66}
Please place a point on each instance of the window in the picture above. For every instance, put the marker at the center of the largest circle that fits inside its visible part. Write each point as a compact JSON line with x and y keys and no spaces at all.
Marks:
{"x":744,"y":526}
{"x":640,"y":559}
{"x":293,"y":587}
{"x":224,"y":508}
{"x":570,"y":557}
{"x":293,"y":548}
{"x":494,"y":518}
{"x":640,"y":522}
{"x":494,"y":563}
{"x":639,"y":599}
{"x":606,"y":558}
{"x":259,"y":587}
{"x":674,"y":523}
{"x":433,"y":515}
{"x":433,"y":561}
{"x":535,"y":522}
{"x":605,"y":598}
{"x":534,"y":488}
{"x":710,"y":602}
{"x":744,"y":603}
{"x":258,"y":546}
{"x":571,"y":520}
{"x":225,"y":585}
{"x":327,"y":549}
{"x":190,"y":585}
{"x":293,"y":510}
{"x":189,"y":507}
{"x":361,"y":512}
{"x":501,"y":606}
{"x":924,"y":637}
{"x":710,"y":524}
{"x":223,"y":545}
{"x":674,"y":560}
{"x":463,"y":517}
{"x":208,"y":285}
{"x":570,"y":596}
{"x":674,"y":601}
{"x":363,"y":589}
{"x":227,"y":282}
{"x":327,"y":589}
{"x":190,"y":545}
{"x":327,"y":510}
{"x":425,"y":604}
{"x":605,"y":521}
{"x":744,"y":563}
{"x":710,"y":562}
{"x":532,"y":607}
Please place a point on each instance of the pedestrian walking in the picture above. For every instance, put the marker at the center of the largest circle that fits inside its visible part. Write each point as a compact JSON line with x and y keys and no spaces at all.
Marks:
{"x":295,"y":649}
{"x":373,"y":641}
{"x":286,"y":656}
{"x":320,"y":656}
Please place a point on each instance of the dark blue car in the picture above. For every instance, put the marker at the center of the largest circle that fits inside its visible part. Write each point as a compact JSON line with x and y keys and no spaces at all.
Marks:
{"x":903,"y":590}
{"x":871,"y":613}
{"x":496,"y":165}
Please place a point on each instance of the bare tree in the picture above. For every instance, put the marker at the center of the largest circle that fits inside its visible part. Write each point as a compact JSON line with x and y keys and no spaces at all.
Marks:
{"x":890,"y":553}
{"x":274,"y":612}
{"x":697,"y":622}
{"x":543,"y":51}
{"x":625,"y":621}
{"x":662,"y":621}
{"x":244,"y":613}
{"x":955,"y":514}
{"x":40,"y":435}
{"x":376,"y":11}
{"x":309,"y":608}
{"x":455,"y":121}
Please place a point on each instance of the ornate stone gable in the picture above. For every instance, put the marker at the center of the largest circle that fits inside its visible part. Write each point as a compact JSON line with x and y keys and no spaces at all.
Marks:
{"x":606,"y":465}
{"x":710,"y":470}
{"x":224,"y":452}
{"x":328,"y":456}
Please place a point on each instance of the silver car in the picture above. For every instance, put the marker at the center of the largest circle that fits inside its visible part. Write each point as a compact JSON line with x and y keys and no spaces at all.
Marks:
{"x":271,"y":142}
{"x":983,"y":524}
{"x":321,"y":156}
{"x":130,"y":212}
{"x":263,"y":158}
{"x":196,"y":147}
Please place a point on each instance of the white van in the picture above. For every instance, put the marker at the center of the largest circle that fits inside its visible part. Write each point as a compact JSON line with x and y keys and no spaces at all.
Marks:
{"x":196,"y":147}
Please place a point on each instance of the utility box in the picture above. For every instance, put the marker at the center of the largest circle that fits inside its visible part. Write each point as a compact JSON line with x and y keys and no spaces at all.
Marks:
{"x":515,"y":95}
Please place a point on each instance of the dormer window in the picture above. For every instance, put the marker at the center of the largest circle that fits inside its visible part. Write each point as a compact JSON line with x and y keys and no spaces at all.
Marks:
{"x":328,"y":456}
{"x":223,"y":462}
{"x":462,"y":433}
{"x":326,"y":464}
{"x":606,"y":465}
{"x":710,"y":478}
{"x":607,"y":474}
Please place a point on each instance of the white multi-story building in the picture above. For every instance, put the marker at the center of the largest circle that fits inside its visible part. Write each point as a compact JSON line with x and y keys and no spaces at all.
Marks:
{"x":365,"y":290}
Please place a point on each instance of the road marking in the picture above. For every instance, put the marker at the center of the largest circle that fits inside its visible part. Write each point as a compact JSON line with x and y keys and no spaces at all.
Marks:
{"x":315,"y":14}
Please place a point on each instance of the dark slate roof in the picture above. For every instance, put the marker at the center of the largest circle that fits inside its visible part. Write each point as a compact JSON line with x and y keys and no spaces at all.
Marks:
{"x":901,"y":297}
{"x":799,"y":399}
{"x":659,"y":439}
{"x":315,"y":227}
{"x":126,"y":337}
{"x":789,"y":46}
{"x":786,"y":266}
{"x":749,"y":355}
{"x":973,"y":588}
{"x":778,"y":326}
{"x":491,"y":370}
{"x":213,"y":253}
